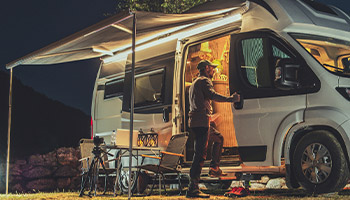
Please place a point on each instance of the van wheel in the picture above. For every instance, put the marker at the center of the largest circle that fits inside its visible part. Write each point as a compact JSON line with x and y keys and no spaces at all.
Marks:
{"x":218,"y":185}
{"x":319,"y":163}
{"x":123,"y":181}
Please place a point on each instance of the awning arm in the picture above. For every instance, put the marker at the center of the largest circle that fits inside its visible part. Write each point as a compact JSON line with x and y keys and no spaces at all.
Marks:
{"x":122,"y":27}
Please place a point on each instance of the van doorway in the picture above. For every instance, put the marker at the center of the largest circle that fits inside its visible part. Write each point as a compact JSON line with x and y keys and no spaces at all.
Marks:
{"x":217,"y":51}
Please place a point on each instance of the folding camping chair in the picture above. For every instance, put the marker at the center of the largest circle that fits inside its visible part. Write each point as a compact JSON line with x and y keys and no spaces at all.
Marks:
{"x":87,"y":158}
{"x":168,"y":160}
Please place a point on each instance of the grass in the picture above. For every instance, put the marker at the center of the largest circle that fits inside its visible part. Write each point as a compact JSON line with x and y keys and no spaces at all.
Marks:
{"x":282,"y":194}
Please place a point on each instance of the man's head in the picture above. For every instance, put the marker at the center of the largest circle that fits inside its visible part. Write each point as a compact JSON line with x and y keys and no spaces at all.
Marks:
{"x":206,"y":68}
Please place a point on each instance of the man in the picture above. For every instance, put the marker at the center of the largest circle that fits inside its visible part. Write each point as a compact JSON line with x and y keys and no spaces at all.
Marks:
{"x":215,"y":144}
{"x":201,"y":94}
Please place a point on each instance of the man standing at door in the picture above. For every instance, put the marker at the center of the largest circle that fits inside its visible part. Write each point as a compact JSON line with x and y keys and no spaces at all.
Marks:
{"x":201,"y":93}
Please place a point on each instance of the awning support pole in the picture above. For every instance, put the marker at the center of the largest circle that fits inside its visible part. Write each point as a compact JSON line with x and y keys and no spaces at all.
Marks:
{"x":132,"y":100}
{"x":9,"y":135}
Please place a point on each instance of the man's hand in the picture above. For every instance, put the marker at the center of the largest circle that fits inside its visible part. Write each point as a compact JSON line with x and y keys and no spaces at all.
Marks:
{"x":236,"y":97}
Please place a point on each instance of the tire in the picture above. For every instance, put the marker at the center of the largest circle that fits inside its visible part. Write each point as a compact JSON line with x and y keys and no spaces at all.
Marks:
{"x":123,"y":180}
{"x":319,"y":163}
{"x":136,"y":186}
{"x":218,"y":185}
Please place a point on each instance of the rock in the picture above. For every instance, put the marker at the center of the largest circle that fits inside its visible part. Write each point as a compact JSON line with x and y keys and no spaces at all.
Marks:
{"x":37,"y":172}
{"x":50,"y":159}
{"x":75,"y":183}
{"x":15,"y":170}
{"x":66,"y":171}
{"x":21,"y":162}
{"x":27,"y":167}
{"x":15,"y":179}
{"x":36,"y":160}
{"x":63,"y":183}
{"x":257,"y":186}
{"x":202,"y":186}
{"x":236,"y":184}
{"x":277,"y":183}
{"x":42,"y":185}
{"x":264,"y":179}
{"x":67,"y":156}
{"x":17,"y":188}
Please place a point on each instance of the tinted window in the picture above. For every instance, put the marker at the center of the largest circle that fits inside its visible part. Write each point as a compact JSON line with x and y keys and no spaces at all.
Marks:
{"x":114,"y":89}
{"x":148,"y":88}
{"x":253,"y":53}
{"x":259,"y":58}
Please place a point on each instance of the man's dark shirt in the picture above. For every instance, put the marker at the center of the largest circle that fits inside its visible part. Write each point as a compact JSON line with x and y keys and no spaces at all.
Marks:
{"x":201,"y":94}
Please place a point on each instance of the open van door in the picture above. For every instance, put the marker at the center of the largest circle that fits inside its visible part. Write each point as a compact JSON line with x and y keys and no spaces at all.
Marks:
{"x":268,"y":103}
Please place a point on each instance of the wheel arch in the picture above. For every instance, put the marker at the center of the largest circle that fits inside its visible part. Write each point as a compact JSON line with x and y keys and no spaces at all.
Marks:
{"x":291,"y":142}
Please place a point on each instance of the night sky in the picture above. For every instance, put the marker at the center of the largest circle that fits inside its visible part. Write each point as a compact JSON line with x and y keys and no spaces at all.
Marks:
{"x":30,"y":25}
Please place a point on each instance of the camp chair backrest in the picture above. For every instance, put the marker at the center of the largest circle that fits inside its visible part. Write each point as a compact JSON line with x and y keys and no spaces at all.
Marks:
{"x":86,"y":147}
{"x":176,"y":145}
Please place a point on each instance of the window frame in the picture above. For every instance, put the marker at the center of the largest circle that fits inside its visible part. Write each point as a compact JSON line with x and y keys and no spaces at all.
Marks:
{"x":163,"y":62}
{"x":239,"y":83}
{"x":156,"y":71}
{"x":119,"y":94}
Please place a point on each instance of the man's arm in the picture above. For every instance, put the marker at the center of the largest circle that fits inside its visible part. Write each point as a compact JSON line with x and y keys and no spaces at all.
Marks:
{"x":213,"y":95}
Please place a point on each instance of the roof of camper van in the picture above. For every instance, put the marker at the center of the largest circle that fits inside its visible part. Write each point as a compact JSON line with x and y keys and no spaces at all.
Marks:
{"x":114,"y":33}
{"x":112,"y":36}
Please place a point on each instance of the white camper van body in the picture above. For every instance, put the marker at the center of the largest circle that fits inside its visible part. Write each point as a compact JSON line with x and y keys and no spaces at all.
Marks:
{"x":271,"y":124}
{"x":288,"y":58}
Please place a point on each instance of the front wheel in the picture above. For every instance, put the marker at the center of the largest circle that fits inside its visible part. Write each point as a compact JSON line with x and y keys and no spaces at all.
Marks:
{"x":319,"y":163}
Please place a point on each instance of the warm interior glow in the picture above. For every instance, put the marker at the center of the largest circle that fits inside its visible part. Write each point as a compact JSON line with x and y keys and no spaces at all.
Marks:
{"x":216,"y":51}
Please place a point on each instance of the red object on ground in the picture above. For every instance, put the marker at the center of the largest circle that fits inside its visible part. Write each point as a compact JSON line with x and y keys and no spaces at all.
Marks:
{"x":238,"y":192}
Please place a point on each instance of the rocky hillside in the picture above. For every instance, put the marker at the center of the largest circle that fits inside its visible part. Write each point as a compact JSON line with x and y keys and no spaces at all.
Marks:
{"x":39,"y":124}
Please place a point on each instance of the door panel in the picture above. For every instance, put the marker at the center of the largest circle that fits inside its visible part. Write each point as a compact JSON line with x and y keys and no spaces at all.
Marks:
{"x":265,"y":106}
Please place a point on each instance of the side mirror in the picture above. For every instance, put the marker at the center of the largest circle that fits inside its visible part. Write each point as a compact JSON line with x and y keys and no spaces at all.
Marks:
{"x":287,"y":74}
{"x":166,"y":114}
{"x":239,"y":105}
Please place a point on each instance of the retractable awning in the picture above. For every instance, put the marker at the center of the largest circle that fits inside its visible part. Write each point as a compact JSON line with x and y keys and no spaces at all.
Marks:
{"x":114,"y":34}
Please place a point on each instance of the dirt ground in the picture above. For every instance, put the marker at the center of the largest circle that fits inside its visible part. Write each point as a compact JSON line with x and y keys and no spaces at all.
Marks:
{"x":282,"y":194}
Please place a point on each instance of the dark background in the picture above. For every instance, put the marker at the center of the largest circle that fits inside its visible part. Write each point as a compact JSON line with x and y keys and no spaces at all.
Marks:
{"x":51,"y":104}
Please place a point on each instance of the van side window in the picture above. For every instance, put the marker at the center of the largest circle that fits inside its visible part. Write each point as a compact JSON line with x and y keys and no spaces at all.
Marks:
{"x":114,"y":88}
{"x":259,"y":59}
{"x":255,"y":66}
{"x":276,"y":52}
{"x":149,"y":87}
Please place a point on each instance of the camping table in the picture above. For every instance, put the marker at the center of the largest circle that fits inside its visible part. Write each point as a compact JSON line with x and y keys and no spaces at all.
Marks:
{"x":123,"y":149}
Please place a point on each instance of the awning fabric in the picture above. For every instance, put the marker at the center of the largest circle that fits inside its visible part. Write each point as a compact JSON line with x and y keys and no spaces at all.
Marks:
{"x":110,"y":35}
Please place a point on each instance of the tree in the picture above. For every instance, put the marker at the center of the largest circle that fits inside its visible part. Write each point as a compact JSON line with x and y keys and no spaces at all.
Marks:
{"x":165,"y":6}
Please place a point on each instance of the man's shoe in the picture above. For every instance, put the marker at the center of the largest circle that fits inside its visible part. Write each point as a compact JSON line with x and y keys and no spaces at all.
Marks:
{"x":196,"y":194}
{"x":238,"y":192}
{"x":216,"y":172}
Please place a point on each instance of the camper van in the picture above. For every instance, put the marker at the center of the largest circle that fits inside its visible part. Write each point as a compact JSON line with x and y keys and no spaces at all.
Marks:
{"x":289,"y":60}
